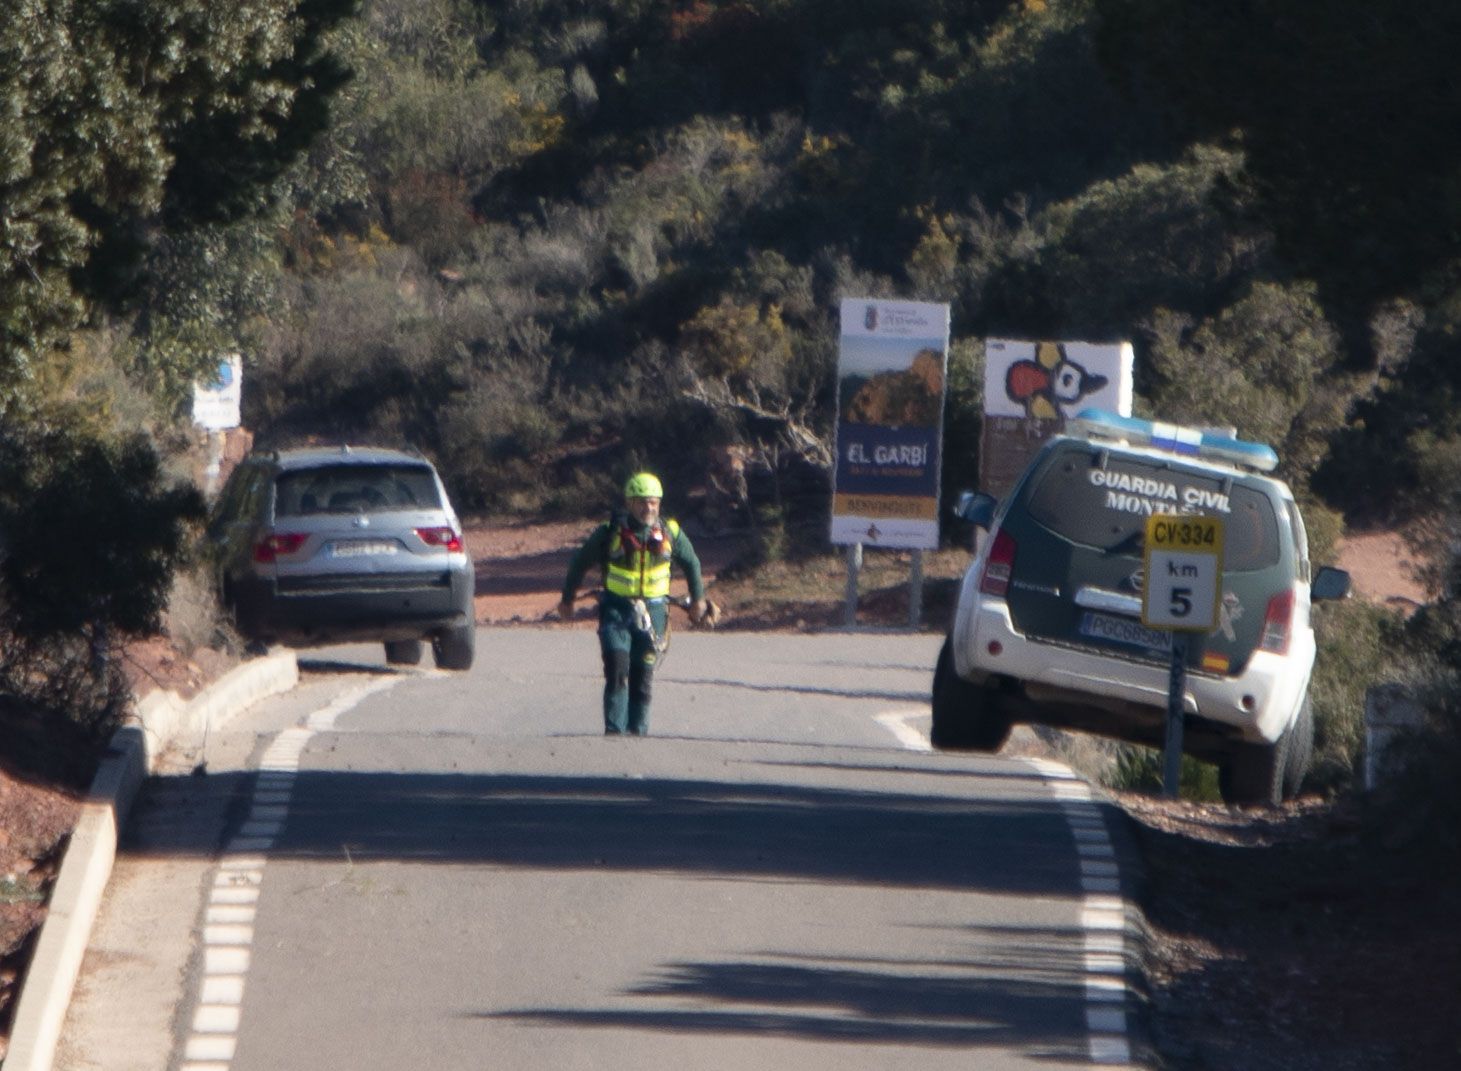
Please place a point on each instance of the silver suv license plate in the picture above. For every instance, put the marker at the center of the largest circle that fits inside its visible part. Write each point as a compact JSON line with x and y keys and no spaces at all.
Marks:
{"x":1125,"y":630}
{"x":360,"y":548}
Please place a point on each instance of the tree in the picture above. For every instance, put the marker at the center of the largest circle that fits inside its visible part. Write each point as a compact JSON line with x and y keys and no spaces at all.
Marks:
{"x":92,"y":533}
{"x":1346,"y":111}
{"x":121,"y":119}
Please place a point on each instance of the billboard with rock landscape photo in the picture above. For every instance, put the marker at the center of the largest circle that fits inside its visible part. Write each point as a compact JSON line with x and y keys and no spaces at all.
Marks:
{"x":892,"y":362}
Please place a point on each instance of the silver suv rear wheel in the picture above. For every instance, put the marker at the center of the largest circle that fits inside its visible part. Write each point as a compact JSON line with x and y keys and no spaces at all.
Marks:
{"x":403,"y":652}
{"x":454,"y":648}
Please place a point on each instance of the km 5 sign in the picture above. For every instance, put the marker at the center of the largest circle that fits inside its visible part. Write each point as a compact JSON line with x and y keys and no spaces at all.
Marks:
{"x":1183,"y":559}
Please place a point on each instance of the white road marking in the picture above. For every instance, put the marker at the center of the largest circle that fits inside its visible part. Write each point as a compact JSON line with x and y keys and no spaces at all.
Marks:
{"x":228,"y":931}
{"x":897,"y":723}
{"x":227,"y":961}
{"x":218,"y":1050}
{"x":222,"y":989}
{"x":1103,"y":917}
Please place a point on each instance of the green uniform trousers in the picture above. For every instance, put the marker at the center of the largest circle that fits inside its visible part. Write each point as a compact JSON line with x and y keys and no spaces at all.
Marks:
{"x":629,"y":661}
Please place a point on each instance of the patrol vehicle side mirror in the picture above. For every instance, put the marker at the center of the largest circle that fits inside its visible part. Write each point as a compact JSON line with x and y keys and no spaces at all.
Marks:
{"x":976,"y":508}
{"x":1329,"y":583}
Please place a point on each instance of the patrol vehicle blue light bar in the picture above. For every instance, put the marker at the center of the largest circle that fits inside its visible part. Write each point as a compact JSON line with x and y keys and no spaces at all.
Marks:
{"x":1194,"y":442}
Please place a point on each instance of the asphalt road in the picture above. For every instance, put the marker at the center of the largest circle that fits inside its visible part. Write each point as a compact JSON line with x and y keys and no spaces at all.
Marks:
{"x":410,"y":869}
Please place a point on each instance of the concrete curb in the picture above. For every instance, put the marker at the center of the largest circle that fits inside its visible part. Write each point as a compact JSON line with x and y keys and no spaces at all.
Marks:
{"x":162,"y":719}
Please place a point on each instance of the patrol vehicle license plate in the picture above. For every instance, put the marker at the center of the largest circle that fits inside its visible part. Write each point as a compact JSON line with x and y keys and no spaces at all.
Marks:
{"x":360,"y":548}
{"x":1124,"y":630}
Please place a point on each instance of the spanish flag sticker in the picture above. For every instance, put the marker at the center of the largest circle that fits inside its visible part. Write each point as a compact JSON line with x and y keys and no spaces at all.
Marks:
{"x":1215,"y":661}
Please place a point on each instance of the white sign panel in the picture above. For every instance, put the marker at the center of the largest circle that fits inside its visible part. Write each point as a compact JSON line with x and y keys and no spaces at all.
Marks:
{"x":891,"y":366}
{"x":216,"y":406}
{"x":1054,"y":380}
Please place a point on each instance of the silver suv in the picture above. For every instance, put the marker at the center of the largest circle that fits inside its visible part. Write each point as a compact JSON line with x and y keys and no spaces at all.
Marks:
{"x":1048,"y":627}
{"x":332,"y":545}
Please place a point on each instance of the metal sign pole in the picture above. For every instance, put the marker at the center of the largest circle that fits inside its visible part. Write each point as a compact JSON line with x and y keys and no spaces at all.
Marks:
{"x":854,"y":567}
{"x":1176,"y":692}
{"x":915,"y":590}
{"x":214,"y":469}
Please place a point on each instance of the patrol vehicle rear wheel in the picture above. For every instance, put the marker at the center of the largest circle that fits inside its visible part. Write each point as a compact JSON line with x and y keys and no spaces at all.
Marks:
{"x":1256,"y":773}
{"x":1300,"y":751}
{"x":964,"y":719}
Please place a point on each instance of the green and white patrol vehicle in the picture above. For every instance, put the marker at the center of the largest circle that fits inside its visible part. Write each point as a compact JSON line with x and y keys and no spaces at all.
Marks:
{"x":1048,"y":628}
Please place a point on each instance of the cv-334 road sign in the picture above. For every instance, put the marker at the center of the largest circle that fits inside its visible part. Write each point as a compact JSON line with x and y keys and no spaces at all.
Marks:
{"x":1183,"y":570}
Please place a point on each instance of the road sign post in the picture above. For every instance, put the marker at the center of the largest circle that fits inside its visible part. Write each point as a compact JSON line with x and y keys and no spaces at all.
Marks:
{"x":1181,"y":593}
{"x":854,"y":570}
{"x":1176,"y":693}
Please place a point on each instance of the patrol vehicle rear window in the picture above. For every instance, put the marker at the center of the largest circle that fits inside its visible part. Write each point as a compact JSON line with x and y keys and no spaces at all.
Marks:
{"x":1101,"y":499}
{"x":355,"y":489}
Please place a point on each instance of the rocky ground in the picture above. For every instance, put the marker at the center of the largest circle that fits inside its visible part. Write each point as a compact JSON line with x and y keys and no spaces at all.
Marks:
{"x":1287,"y":939}
{"x":1291,"y":941}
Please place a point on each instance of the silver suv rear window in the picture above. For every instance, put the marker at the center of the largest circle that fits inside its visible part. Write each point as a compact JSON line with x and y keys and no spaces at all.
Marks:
{"x":355,"y":489}
{"x":1100,"y":499}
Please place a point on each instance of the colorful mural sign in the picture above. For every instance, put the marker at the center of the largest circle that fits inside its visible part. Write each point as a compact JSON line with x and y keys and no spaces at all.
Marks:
{"x":892,"y":363}
{"x":1030,"y":387}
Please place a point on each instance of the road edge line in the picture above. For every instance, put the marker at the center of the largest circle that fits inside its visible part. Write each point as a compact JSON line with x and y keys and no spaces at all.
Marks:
{"x":161,"y":719}
{"x":212,"y":1038}
{"x":1116,"y":934}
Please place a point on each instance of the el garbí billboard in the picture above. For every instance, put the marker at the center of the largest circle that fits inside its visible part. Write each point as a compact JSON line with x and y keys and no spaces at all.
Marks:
{"x":891,"y":369}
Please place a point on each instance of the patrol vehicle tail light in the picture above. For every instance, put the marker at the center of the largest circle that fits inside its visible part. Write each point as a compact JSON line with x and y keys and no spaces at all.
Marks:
{"x":1277,"y":623}
{"x":272,"y":546}
{"x":441,"y":537}
{"x":999,"y":565}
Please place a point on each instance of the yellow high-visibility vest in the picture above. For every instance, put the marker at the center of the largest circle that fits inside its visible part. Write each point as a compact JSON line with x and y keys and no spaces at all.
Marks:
{"x":640,"y":572}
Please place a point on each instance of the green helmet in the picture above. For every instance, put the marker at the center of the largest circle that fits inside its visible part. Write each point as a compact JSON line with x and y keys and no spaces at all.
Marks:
{"x":643,"y":485}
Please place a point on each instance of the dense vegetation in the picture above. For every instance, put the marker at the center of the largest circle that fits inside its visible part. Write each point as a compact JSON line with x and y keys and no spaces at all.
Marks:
{"x":551,"y":240}
{"x":142,"y":144}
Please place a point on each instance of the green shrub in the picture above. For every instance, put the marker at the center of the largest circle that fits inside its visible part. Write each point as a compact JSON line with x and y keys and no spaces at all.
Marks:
{"x":771,"y":539}
{"x":1357,"y":643}
{"x":963,"y":419}
{"x":430,"y":213}
{"x":1143,"y":769}
{"x":90,"y":535}
{"x":1267,"y":365}
{"x":1323,"y":525}
{"x":1418,"y":811}
{"x":467,"y":126}
{"x":1396,"y":458}
{"x":1117,"y":250}
{"x":61,"y":699}
{"x":494,"y":434}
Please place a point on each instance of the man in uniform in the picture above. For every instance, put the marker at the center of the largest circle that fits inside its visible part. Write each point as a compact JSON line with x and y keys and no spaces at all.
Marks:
{"x":635,"y":549}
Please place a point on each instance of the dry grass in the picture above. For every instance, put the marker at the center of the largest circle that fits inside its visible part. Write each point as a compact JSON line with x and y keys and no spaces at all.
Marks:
{"x":193,"y":618}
